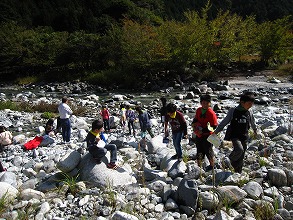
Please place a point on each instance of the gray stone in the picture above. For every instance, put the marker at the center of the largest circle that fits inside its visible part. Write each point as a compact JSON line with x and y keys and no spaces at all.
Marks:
{"x":277,"y":177}
{"x":187,"y":193}
{"x":69,"y":161}
{"x":99,"y":174}
{"x":253,"y":190}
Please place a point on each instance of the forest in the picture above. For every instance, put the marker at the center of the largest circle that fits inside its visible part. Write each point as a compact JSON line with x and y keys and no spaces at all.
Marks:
{"x":129,"y":43}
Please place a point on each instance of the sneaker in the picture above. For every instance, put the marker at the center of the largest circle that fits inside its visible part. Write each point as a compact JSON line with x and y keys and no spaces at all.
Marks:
{"x":174,"y":157}
{"x":112,"y":165}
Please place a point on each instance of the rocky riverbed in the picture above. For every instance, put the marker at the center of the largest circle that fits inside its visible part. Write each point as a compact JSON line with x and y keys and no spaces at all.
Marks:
{"x":62,"y":181}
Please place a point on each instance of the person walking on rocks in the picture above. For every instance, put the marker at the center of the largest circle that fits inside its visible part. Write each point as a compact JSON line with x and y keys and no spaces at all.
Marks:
{"x":163,"y":111}
{"x":122,"y":114}
{"x":178,"y":126}
{"x":145,"y":124}
{"x":241,"y":119}
{"x":131,"y":117}
{"x":98,"y":147}
{"x":65,"y":112}
{"x":204,"y":116}
{"x":106,"y":116}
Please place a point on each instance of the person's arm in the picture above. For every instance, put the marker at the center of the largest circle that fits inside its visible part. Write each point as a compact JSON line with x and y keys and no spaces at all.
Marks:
{"x":252,"y":122}
{"x":225,"y":121}
{"x":68,"y":109}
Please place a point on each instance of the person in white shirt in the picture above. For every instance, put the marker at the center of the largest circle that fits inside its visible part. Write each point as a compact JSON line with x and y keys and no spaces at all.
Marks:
{"x":65,"y":112}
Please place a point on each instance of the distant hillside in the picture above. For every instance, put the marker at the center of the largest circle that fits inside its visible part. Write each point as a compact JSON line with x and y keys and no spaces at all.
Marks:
{"x":96,"y":16}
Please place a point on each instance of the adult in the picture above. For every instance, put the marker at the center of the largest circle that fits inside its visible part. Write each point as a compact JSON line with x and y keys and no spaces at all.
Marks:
{"x":65,"y":112}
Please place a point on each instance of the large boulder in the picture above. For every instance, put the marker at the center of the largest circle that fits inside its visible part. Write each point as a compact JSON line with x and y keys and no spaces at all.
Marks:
{"x":69,"y":161}
{"x":100,"y":175}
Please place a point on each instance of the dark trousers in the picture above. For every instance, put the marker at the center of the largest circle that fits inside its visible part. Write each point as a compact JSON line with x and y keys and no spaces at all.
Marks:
{"x":237,"y":155}
{"x":106,"y":124}
{"x":130,"y":124}
{"x":99,"y":153}
{"x":66,"y":129}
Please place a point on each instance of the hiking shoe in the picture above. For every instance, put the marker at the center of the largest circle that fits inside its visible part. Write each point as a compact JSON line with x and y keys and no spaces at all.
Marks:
{"x":112,"y":165}
{"x":174,"y":157}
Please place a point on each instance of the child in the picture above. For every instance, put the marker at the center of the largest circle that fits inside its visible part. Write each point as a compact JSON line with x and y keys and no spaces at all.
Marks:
{"x":144,"y":122}
{"x":130,"y":115}
{"x":5,"y":137}
{"x":49,"y":128}
{"x":178,"y":127}
{"x":163,"y":111}
{"x":203,"y":116}
{"x":122,"y":114}
{"x":105,"y":115}
{"x":97,"y":146}
{"x":240,"y":119}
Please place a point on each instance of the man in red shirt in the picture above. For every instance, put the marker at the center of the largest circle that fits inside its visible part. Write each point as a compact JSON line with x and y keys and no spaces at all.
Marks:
{"x":203,"y":116}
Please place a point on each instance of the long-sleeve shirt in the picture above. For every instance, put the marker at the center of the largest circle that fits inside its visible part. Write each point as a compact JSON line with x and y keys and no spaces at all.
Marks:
{"x":178,"y":124}
{"x":241,"y":121}
{"x":64,"y":111}
{"x":144,"y":121}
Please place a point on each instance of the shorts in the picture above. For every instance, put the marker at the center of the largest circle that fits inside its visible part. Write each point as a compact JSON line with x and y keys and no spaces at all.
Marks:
{"x":204,"y":148}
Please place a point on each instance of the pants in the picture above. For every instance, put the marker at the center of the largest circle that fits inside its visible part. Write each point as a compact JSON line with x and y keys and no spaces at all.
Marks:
{"x":106,"y":124}
{"x":66,"y":129}
{"x":204,"y":148}
{"x":99,"y":153}
{"x":177,"y":137}
{"x":130,"y":124}
{"x":237,"y":155}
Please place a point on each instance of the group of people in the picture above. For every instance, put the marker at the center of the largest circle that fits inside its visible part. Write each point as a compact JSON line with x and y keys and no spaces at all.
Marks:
{"x":205,"y":123}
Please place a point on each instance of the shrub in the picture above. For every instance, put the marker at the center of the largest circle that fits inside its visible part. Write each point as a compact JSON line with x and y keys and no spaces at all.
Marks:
{"x":264,"y":211}
{"x":47,"y":115}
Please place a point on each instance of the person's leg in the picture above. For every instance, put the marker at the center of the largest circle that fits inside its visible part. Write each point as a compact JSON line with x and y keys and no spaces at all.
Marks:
{"x":177,"y":143}
{"x":63,"y":129}
{"x":98,"y":153}
{"x":237,"y":155}
{"x":209,"y":152}
{"x":108,"y":124}
{"x":150,"y":132}
{"x":200,"y":151}
{"x":113,"y":152}
{"x":129,"y":126}
{"x":68,"y":130}
{"x":105,"y":124}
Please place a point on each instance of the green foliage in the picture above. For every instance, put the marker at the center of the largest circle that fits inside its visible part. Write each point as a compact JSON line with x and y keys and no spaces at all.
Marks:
{"x":8,"y":105}
{"x":4,"y":201}
{"x":71,"y":183}
{"x":264,"y":211}
{"x":137,"y":47}
{"x":48,"y":115}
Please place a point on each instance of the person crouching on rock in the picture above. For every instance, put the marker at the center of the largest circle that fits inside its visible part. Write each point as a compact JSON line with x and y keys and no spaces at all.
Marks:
{"x":97,"y":146}
{"x":5,"y":137}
